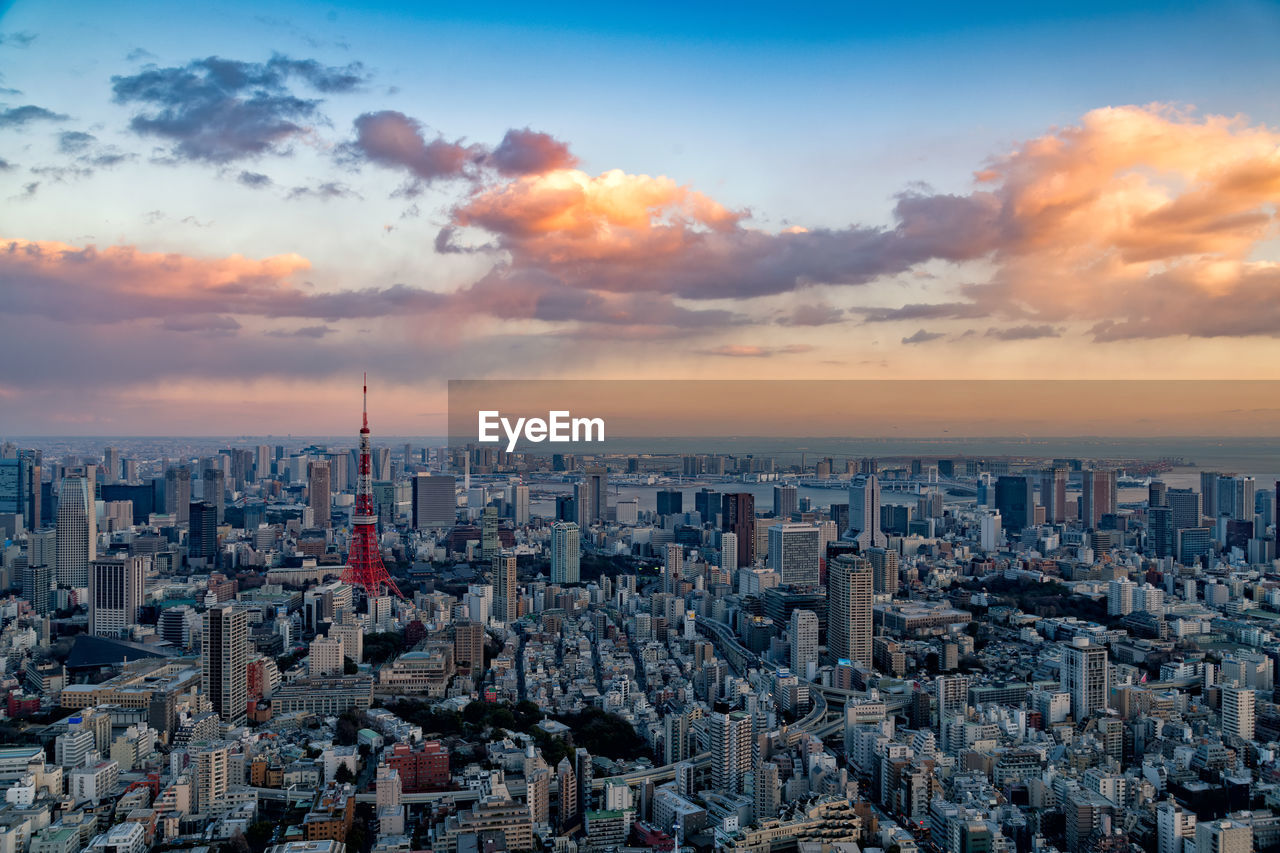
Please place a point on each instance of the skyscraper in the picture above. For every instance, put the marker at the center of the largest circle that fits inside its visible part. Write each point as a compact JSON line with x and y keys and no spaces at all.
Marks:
{"x":110,"y":465}
{"x":849,"y":591}
{"x":177,"y":494}
{"x":518,"y":501}
{"x":730,"y":750}
{"x":1208,"y":495}
{"x":504,"y":587}
{"x":729,"y":552}
{"x":864,"y":513}
{"x":784,"y":501}
{"x":1098,"y":495}
{"x":1160,"y":530}
{"x":670,"y":502}
{"x":804,"y":641}
{"x":38,"y":574}
{"x":202,"y":535}
{"x":77,"y":532}
{"x":738,"y":516}
{"x":1015,"y":502}
{"x":885,"y":578}
{"x":1085,"y":676}
{"x":565,"y":557}
{"x":1186,"y":508}
{"x":1238,"y":709}
{"x":794,"y":552}
{"x":672,"y":566}
{"x":1053,"y":494}
{"x":434,"y":503}
{"x":226,"y":661}
{"x":593,"y":496}
{"x":214,"y":490}
{"x":318,"y":492}
{"x":116,"y":588}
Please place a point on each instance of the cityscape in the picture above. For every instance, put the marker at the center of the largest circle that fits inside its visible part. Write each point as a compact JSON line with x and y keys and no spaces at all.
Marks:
{"x":606,"y":428}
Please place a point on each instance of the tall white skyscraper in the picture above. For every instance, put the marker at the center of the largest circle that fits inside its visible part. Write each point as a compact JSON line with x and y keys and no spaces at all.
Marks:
{"x":794,"y":553}
{"x":518,"y":500}
{"x":1120,"y":597}
{"x":992,"y":532}
{"x":804,"y":642}
{"x":1238,"y":706}
{"x":77,"y":532}
{"x":1085,"y":676}
{"x":864,"y":512}
{"x":849,"y":594}
{"x":730,"y":750}
{"x":116,"y":587}
{"x":729,"y":551}
{"x":565,"y":556}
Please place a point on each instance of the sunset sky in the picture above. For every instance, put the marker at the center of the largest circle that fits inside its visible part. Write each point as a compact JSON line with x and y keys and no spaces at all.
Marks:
{"x":214,"y":220}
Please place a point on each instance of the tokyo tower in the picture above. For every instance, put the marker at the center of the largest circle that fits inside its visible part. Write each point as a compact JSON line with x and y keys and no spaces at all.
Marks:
{"x":364,"y":561}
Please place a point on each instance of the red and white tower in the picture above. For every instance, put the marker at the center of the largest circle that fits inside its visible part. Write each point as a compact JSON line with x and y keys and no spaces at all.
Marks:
{"x":364,"y":561}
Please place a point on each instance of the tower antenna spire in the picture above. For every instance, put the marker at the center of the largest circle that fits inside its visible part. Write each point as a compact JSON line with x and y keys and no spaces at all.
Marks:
{"x":366,"y":400}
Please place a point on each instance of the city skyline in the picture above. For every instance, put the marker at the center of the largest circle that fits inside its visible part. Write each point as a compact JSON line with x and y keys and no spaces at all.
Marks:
{"x":218,"y":212}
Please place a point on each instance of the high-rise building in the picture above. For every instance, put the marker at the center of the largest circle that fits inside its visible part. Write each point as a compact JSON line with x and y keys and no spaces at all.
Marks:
{"x":1224,"y":836}
{"x":804,"y":641}
{"x":1173,"y":825}
{"x":1160,"y":530}
{"x":766,"y":791}
{"x":593,"y":496}
{"x":864,"y":513}
{"x":729,"y":552}
{"x":202,"y":535}
{"x":730,"y":736}
{"x":318,"y":492}
{"x":1157,"y":494}
{"x":672,"y":566}
{"x":1120,"y":595}
{"x":505,"y":597}
{"x":1053,"y":494}
{"x":489,"y":542}
{"x":738,"y":516}
{"x":849,"y":592}
{"x":77,"y":532}
{"x":1015,"y":502}
{"x":671,"y":502}
{"x":226,"y":660}
{"x":785,"y":499}
{"x":794,"y":553}
{"x":1098,"y":495}
{"x":1186,"y":508}
{"x":20,"y":487}
{"x":584,"y":774}
{"x":1236,"y":497}
{"x":434,"y":503}
{"x":884,"y":571}
{"x":1238,"y":712}
{"x":518,"y":503}
{"x":110,"y":465}
{"x":568,"y":804}
{"x":1085,"y":676}
{"x":116,"y":591}
{"x":565,"y":556}
{"x":177,"y":493}
{"x":1208,"y":495}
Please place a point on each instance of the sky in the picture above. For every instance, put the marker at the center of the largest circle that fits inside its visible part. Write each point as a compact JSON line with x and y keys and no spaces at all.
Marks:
{"x":216,"y":218}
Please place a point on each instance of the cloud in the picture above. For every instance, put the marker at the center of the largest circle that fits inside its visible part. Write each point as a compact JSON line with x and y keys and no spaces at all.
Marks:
{"x":754,"y":351}
{"x":221,"y":110}
{"x":529,"y":152}
{"x":75,"y":141}
{"x":210,"y":323}
{"x":393,"y":139}
{"x":818,"y":314}
{"x":256,"y":180}
{"x":312,"y":332}
{"x":1023,"y":333}
{"x":25,"y":115}
{"x":18,"y":39}
{"x":138,"y":54}
{"x":6,"y":166}
{"x":324,"y":191}
{"x":920,"y":311}
{"x":922,"y":337}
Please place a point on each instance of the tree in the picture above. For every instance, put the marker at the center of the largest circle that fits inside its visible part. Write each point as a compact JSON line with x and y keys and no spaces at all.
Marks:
{"x":343,"y":775}
{"x":349,"y":666}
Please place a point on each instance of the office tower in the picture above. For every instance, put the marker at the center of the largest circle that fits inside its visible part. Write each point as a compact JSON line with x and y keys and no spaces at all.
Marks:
{"x":1236,"y":497}
{"x":380,"y":460}
{"x":365,"y":568}
{"x":325,"y":657}
{"x":1276,"y":502}
{"x":1098,"y":495}
{"x":1208,"y":495}
{"x":730,"y":750}
{"x":849,"y":591}
{"x":1186,"y":507}
{"x":202,"y":535}
{"x":116,"y":591}
{"x":804,"y":641}
{"x":1085,"y":676}
{"x":262,"y":462}
{"x":672,"y":566}
{"x":1238,"y":705}
{"x":728,"y":551}
{"x":318,"y":492}
{"x":177,"y":494}
{"x":518,"y":501}
{"x":434,"y":503}
{"x":214,"y":486}
{"x":794,"y":553}
{"x":1015,"y":502}
{"x":110,"y":465}
{"x":738,"y":512}
{"x":566,"y":508}
{"x":1053,"y":494}
{"x":1192,"y":544}
{"x":505,"y":597}
{"x":1157,"y":494}
{"x":864,"y":512}
{"x":1173,"y":824}
{"x":991,"y":531}
{"x":468,"y":645}
{"x":565,"y":557}
{"x":884,"y":571}
{"x":225,"y":653}
{"x":20,"y":487}
{"x":707,"y":503}
{"x":784,"y":501}
{"x":1160,"y":530}
{"x":37,"y":581}
{"x":1224,"y":836}
{"x":174,"y":625}
{"x":489,"y":534}
{"x":593,"y":497}
{"x":77,"y":532}
{"x":671,"y":502}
